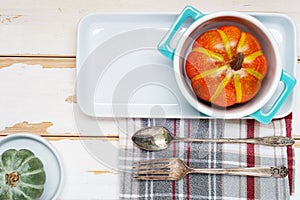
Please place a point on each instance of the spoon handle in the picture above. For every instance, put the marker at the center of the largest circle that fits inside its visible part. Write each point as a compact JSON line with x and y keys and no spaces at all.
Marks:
{"x":269,"y":141}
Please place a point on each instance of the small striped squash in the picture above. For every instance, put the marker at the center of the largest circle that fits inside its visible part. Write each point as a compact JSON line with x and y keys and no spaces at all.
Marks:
{"x":226,"y":66}
{"x":22,"y":175}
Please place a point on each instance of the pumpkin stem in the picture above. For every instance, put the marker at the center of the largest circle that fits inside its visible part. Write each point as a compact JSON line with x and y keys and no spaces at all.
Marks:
{"x":12,"y":179}
{"x":236,"y":64}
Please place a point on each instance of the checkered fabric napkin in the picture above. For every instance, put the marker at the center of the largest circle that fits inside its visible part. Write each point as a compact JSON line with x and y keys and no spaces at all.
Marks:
{"x":209,"y":155}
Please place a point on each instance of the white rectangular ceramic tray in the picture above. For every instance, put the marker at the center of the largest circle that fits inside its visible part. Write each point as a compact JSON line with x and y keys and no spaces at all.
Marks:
{"x":120,"y":73}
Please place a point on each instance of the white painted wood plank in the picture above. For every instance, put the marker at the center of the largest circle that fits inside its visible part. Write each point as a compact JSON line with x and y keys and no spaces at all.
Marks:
{"x":145,"y":5}
{"x":34,"y":94}
{"x":38,"y":95}
{"x":50,"y":27}
{"x":85,"y":178}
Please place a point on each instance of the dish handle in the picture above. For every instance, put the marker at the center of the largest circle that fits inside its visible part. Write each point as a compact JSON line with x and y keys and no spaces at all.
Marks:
{"x":289,"y":83}
{"x":164,"y":46}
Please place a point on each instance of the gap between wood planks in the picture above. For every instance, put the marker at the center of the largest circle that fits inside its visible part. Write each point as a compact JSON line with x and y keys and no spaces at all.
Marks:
{"x":46,"y":61}
{"x":42,"y":130}
{"x":297,"y":142}
{"x":57,"y":137}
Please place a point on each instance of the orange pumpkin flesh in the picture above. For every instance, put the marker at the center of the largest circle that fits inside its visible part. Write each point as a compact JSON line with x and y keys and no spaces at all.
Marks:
{"x":226,"y":66}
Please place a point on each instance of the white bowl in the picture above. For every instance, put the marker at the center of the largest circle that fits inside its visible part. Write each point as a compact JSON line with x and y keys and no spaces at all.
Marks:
{"x":246,"y":23}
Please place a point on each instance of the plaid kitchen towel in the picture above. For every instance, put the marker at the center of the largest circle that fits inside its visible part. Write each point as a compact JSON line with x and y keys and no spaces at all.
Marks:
{"x":209,"y":155}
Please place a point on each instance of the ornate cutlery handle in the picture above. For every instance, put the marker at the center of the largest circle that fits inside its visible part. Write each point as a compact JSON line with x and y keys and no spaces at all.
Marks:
{"x":269,"y":141}
{"x":277,"y":172}
{"x":274,"y":141}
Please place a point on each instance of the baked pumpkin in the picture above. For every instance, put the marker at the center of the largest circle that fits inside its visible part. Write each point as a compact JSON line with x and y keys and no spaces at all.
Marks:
{"x":22,"y":175}
{"x":226,"y":66}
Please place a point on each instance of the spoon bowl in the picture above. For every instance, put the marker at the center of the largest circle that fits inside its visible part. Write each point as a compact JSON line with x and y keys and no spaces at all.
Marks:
{"x":153,"y":138}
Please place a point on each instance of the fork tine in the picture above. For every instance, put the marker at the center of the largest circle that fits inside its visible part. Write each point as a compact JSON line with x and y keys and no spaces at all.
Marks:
{"x":150,"y":166}
{"x":154,"y":161}
{"x":151,"y":172}
{"x":156,"y":169}
{"x":155,"y":178}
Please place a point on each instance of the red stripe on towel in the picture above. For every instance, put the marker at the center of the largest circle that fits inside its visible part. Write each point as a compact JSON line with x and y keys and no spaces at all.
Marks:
{"x":288,"y":125}
{"x":250,"y":160}
{"x":174,"y":155}
{"x":188,"y":162}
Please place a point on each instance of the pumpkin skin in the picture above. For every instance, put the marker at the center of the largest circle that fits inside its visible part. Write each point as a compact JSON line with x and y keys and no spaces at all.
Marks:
{"x":22,"y":175}
{"x":226,"y":66}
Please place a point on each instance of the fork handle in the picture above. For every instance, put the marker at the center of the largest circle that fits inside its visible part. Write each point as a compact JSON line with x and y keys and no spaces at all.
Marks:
{"x":280,"y":141}
{"x":277,"y":172}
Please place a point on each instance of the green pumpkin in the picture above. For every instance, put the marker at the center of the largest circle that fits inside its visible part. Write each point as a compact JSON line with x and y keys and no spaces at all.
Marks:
{"x":22,"y":175}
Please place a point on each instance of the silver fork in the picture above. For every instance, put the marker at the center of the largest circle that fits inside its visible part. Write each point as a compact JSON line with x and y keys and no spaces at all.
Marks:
{"x":175,"y":169}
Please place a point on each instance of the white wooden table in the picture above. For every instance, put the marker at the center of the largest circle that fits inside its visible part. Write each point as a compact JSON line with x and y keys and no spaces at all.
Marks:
{"x":37,"y":81}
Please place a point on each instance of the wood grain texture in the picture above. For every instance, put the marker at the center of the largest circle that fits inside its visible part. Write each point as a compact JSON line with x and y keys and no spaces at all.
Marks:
{"x":82,"y":6}
{"x":71,"y":137}
{"x":35,"y":128}
{"x":35,"y":94}
{"x":54,"y":23}
{"x":6,"y":19}
{"x":45,"y":61}
{"x":42,"y":130}
{"x":85,"y":177}
{"x":100,"y":172}
{"x":297,"y":140}
{"x":71,"y":99}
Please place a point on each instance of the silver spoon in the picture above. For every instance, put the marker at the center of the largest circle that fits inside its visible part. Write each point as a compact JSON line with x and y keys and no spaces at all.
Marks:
{"x":157,"y":138}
